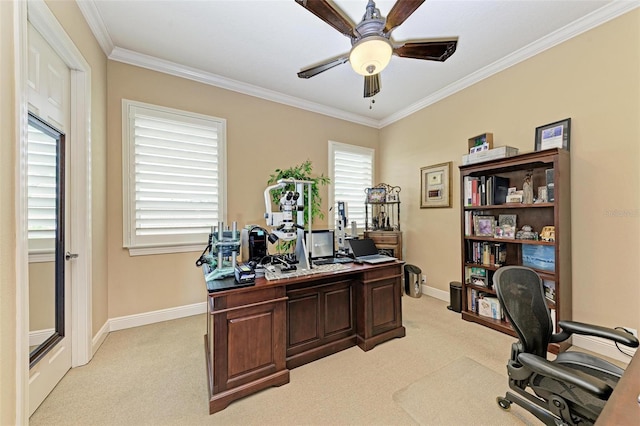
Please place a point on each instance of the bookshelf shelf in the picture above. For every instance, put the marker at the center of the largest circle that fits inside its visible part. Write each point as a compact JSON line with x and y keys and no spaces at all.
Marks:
{"x":499,"y":325}
{"x":508,"y":206}
{"x":510,"y":241}
{"x":481,"y":288}
{"x":483,"y":189}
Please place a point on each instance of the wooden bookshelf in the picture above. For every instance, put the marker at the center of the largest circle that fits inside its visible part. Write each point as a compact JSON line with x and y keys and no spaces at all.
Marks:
{"x":556,"y":212}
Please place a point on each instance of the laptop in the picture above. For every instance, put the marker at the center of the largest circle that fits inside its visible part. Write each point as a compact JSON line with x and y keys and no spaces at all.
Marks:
{"x":366,"y":251}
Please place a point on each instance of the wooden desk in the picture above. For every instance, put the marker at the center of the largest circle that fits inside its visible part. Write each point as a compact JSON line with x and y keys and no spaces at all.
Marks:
{"x":256,"y":334}
{"x":623,"y":407}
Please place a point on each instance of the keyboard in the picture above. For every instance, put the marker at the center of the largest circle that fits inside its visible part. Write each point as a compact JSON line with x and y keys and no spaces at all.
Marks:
{"x":332,"y":261}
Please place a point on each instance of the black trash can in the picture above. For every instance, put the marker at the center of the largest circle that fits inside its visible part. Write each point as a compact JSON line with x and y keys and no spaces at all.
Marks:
{"x":412,"y":280}
{"x":455,"y":294}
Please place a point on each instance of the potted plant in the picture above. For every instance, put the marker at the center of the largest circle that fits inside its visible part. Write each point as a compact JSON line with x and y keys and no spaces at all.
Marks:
{"x":301,"y":172}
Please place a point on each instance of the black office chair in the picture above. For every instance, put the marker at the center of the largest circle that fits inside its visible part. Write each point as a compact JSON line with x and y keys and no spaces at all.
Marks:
{"x":573,"y":388}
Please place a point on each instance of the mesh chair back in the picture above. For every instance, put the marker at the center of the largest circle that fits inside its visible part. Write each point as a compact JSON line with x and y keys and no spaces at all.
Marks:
{"x":521,"y":295}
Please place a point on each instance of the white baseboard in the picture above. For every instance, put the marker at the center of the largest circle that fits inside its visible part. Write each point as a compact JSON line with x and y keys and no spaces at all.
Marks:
{"x":37,"y":337}
{"x":136,"y":320}
{"x":603,"y":347}
{"x":436,"y":293}
{"x":98,"y":339}
{"x":599,"y":346}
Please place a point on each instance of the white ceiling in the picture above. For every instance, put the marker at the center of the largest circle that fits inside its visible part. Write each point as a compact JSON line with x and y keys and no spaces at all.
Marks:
{"x":258,"y":46}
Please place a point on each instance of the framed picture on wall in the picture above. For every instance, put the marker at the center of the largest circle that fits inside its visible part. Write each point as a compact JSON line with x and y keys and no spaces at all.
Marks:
{"x":435,"y":186}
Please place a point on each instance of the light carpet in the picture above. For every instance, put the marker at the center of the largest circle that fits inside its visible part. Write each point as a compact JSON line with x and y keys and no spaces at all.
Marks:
{"x":155,"y":375}
{"x":456,"y":394}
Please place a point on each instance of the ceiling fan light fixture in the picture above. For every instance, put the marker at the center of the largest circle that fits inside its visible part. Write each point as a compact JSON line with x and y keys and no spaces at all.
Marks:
{"x":370,"y":55}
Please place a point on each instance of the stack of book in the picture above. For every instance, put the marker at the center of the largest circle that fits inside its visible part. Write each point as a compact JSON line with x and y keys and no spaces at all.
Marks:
{"x":486,"y":253}
{"x":485,"y":190}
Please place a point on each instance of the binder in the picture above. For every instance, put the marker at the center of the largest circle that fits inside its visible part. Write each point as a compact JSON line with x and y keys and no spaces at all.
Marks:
{"x":500,"y":189}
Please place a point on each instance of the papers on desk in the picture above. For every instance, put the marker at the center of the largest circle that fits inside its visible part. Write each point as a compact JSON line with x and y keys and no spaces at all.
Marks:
{"x":278,"y":275}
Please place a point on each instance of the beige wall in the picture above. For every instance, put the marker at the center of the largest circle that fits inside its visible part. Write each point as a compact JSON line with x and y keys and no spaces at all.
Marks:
{"x":261,"y":136}
{"x":594,"y":79}
{"x":7,"y":220}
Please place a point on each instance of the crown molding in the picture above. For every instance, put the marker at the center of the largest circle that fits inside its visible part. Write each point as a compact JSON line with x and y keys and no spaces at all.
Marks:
{"x":96,"y":24}
{"x":178,"y":70}
{"x":596,"y":18}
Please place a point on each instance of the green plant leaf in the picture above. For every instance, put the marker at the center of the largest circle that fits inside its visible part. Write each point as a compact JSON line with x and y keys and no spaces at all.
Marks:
{"x":301,"y":172}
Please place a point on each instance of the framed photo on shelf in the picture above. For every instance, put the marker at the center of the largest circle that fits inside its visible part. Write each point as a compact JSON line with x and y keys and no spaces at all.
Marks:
{"x":435,"y":186}
{"x":376,"y":195}
{"x":484,"y":226}
{"x":507,"y":219}
{"x":554,"y":135}
{"x":392,"y":197}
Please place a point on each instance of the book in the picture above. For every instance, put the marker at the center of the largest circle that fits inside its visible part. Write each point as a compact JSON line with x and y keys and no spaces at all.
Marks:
{"x":490,"y":307}
{"x":471,"y":302}
{"x":500,"y":187}
{"x":499,"y":254}
{"x":549,"y":289}
{"x":486,"y":254}
{"x":550,"y":185}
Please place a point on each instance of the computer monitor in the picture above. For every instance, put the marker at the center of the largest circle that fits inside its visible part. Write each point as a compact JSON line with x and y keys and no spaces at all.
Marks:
{"x":322,"y":244}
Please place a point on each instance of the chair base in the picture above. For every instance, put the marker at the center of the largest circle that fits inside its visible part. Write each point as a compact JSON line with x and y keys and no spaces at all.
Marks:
{"x":543,"y":415}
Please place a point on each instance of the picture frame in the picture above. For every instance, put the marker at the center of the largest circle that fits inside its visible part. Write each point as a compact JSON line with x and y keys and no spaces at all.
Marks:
{"x":508,"y":232}
{"x":484,"y":226}
{"x":435,"y":185}
{"x":376,"y":195}
{"x":507,"y":219}
{"x":392,"y":197}
{"x":554,"y":135}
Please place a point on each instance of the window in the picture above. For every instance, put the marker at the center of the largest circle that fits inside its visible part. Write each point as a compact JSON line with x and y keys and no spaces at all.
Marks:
{"x":42,"y":193}
{"x":174,"y":188}
{"x":351,"y":171}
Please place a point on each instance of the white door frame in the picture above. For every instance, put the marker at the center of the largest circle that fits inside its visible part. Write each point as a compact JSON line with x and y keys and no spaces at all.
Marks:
{"x":37,"y":12}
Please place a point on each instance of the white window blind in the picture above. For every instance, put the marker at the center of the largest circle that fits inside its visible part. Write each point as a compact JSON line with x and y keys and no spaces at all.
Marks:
{"x":351,"y":170}
{"x":174,"y":173}
{"x":41,"y":191}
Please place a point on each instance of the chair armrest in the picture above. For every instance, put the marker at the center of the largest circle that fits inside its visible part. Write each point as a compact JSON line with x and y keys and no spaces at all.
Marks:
{"x":546,"y":368}
{"x":574,"y":327}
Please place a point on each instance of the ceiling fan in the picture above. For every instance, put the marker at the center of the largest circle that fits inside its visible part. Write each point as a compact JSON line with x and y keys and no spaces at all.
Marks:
{"x":371,"y":41}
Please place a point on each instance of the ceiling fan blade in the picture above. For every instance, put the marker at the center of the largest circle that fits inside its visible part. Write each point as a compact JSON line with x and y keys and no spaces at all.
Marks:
{"x":371,"y":85}
{"x":317,"y":69}
{"x":439,"y":50}
{"x":400,"y":12}
{"x":323,"y":10}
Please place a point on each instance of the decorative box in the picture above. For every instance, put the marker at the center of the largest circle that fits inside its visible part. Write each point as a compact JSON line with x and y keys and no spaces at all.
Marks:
{"x":491,"y":154}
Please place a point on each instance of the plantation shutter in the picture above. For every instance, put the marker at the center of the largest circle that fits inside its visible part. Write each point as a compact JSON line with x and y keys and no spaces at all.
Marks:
{"x":352,"y":173}
{"x":41,"y":191}
{"x":178,"y":161}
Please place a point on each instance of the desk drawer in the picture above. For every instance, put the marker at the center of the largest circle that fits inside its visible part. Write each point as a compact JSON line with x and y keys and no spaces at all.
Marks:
{"x":380,"y":238}
{"x":388,"y":271}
